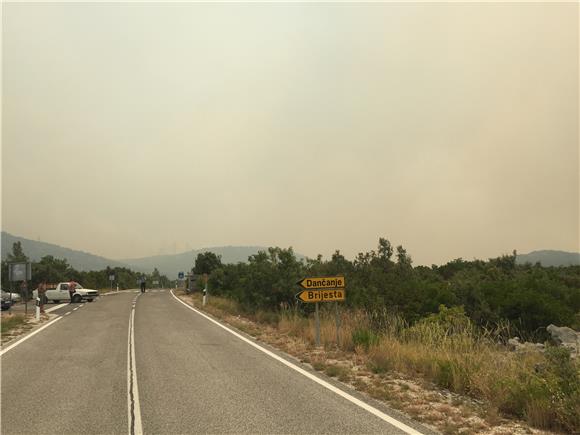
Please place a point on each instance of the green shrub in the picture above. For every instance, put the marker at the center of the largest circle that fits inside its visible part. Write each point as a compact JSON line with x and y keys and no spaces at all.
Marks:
{"x":444,"y":374}
{"x":267,"y":317}
{"x":562,"y":378}
{"x":365,"y":338}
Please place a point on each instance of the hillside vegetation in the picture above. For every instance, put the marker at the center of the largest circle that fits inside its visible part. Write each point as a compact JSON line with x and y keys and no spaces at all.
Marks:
{"x":491,"y":292}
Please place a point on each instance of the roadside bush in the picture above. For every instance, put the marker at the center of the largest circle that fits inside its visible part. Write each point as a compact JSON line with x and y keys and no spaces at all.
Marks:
{"x":365,"y":338}
{"x":562,"y":378}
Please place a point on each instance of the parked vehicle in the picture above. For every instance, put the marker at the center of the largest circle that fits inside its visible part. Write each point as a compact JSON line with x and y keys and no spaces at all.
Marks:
{"x":59,"y":292}
{"x":12,"y":297}
{"x":6,"y":302}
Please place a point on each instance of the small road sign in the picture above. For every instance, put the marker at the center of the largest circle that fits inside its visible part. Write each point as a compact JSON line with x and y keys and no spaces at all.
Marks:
{"x":325,"y":282}
{"x":321,"y":295}
{"x":180,"y":275}
{"x":19,"y":271}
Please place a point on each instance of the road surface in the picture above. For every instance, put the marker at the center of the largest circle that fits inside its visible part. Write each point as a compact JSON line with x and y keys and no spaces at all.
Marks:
{"x":146,"y":363}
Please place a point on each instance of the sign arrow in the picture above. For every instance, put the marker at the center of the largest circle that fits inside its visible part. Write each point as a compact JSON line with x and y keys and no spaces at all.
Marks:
{"x":321,"y":295}
{"x":325,"y":282}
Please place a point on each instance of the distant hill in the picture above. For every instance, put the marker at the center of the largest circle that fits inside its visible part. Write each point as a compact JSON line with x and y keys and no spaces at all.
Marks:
{"x":169,"y":265}
{"x":550,"y":258}
{"x":77,"y":259}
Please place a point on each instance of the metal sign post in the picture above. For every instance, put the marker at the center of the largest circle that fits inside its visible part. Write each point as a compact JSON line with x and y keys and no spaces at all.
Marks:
{"x":24,"y":293}
{"x":317,"y":317}
{"x":337,"y":325}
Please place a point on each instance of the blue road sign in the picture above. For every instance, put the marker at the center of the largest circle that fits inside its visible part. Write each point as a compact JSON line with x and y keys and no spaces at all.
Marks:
{"x":180,"y":275}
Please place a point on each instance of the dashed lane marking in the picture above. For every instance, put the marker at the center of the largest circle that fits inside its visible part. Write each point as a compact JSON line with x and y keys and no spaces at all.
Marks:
{"x":50,"y":310}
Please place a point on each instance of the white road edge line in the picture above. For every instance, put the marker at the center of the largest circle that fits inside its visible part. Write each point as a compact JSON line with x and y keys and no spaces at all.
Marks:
{"x":133,"y":405}
{"x":66,"y":314}
{"x":55,"y":308}
{"x":402,"y":426}
{"x":32,"y":334}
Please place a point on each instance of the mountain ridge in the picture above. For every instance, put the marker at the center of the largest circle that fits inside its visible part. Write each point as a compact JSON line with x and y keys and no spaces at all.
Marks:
{"x":550,"y":257}
{"x":168,"y":264}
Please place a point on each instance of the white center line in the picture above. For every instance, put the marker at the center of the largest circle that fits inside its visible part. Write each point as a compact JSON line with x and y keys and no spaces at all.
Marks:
{"x":385,"y":417}
{"x":133,"y":406}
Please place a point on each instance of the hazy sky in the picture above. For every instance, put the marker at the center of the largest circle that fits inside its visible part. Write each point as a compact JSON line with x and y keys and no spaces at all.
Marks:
{"x":137,"y":129}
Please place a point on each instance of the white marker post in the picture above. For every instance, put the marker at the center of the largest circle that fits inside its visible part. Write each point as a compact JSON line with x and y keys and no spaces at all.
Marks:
{"x":37,"y":307}
{"x":205,"y":276}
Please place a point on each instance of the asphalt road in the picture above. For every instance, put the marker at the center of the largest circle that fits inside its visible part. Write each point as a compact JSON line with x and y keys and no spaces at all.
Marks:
{"x":177,"y":371}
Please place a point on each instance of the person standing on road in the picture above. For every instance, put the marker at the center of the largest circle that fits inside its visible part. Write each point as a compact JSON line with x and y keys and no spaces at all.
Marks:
{"x":142,"y":285}
{"x":41,"y":294}
{"x":71,"y":290}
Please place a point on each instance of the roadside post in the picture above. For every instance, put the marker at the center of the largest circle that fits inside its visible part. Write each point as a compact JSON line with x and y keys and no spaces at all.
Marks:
{"x":205,"y":295}
{"x":37,"y":307}
{"x":323,"y":289}
{"x":337,"y":325}
{"x":317,"y":330}
{"x":112,"y":278}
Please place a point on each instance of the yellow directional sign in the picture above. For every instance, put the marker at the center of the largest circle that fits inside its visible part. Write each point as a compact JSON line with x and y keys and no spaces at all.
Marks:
{"x":325,"y":282}
{"x":322,"y":295}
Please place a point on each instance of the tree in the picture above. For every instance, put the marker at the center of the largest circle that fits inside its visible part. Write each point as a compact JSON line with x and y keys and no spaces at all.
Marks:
{"x":403,"y":259}
{"x":206,"y":262}
{"x":17,"y":255}
{"x":53,"y":270}
{"x":385,"y":249}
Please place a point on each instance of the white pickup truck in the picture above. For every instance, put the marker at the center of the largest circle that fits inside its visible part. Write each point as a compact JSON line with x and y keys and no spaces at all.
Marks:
{"x":59,"y":292}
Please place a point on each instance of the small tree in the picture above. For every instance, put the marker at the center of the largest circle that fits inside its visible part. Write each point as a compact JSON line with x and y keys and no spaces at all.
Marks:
{"x":17,"y":255}
{"x":206,"y":262}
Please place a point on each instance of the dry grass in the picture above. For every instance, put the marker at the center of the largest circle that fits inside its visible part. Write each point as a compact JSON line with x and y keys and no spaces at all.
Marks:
{"x":10,"y":321}
{"x":374,"y":348}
